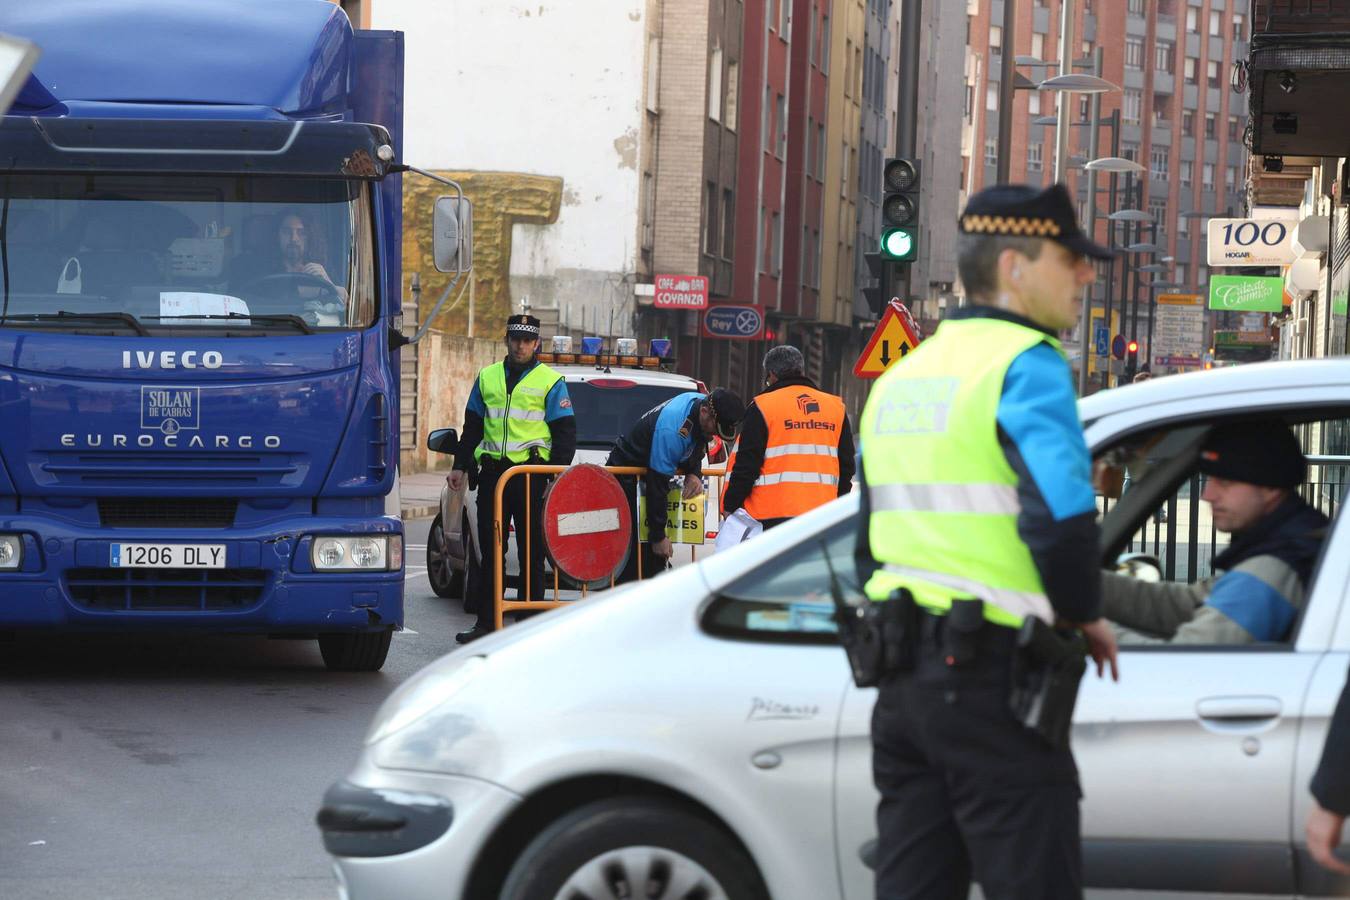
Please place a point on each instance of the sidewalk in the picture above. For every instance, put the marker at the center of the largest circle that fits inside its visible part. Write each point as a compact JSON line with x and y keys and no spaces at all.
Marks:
{"x":421,"y":493}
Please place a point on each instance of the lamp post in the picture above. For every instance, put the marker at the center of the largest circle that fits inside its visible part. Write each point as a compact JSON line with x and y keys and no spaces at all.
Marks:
{"x":1113,"y":165}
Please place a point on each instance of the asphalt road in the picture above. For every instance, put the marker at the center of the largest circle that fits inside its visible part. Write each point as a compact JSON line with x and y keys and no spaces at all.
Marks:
{"x":187,"y":768}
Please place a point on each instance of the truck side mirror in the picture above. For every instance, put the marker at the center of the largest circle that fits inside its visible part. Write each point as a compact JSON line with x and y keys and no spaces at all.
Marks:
{"x":452,"y":234}
{"x":443,"y":440}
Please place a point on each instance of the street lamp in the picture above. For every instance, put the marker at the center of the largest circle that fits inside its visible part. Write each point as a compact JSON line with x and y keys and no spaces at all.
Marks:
{"x":1130,"y":215}
{"x":1077,"y":84}
{"x":1117,"y":164}
{"x":1142,"y":247}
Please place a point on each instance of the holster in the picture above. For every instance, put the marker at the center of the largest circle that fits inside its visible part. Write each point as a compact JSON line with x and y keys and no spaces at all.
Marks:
{"x":880,"y":638}
{"x":961,"y":634}
{"x":1047,"y":671}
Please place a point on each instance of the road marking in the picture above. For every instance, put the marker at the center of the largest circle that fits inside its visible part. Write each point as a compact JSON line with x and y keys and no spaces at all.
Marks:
{"x":590,"y":522}
{"x":406,"y":630}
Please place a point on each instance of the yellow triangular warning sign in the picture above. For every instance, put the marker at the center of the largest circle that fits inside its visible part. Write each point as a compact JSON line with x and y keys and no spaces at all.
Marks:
{"x":896,"y":335}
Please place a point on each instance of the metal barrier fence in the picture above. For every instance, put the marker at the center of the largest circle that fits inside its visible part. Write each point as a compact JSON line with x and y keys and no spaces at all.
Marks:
{"x":1185,"y":540}
{"x":712,"y":485}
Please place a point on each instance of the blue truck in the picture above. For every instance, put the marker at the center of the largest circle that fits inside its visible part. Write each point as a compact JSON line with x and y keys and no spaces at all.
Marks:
{"x":200,"y":323}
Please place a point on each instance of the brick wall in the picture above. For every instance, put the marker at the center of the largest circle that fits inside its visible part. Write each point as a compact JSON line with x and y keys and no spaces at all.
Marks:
{"x":683,"y":104}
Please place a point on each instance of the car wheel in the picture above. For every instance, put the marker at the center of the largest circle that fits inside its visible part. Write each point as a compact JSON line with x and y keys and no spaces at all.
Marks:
{"x":633,"y":847}
{"x":361,"y":651}
{"x":446,"y":580}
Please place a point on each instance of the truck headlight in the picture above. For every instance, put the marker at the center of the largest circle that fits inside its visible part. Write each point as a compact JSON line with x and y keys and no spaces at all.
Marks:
{"x":363,"y":553}
{"x":11,"y":551}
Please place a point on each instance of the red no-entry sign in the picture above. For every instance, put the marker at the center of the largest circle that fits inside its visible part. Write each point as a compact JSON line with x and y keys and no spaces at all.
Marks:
{"x":587,"y":524}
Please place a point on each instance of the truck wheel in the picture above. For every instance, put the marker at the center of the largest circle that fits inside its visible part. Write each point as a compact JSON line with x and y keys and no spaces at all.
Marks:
{"x":361,"y":651}
{"x":446,"y":580}
{"x":633,"y":847}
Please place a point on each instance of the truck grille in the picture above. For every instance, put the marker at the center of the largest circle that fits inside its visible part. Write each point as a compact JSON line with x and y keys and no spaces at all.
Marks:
{"x":167,"y":512}
{"x":173,"y":469}
{"x":166,"y":590}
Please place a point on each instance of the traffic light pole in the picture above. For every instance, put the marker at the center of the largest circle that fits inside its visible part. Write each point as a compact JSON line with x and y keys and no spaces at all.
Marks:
{"x":907,"y":110}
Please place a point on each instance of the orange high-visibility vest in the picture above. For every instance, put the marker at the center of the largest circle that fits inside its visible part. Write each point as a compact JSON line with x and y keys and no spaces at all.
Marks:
{"x":801,"y":455}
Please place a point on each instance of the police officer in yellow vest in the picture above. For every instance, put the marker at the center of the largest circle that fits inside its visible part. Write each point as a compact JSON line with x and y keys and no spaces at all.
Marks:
{"x":518,"y":412}
{"x":795,"y":449}
{"x":980,"y":523}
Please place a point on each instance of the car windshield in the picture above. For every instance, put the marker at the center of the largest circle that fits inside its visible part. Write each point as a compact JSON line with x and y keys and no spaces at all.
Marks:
{"x":607,"y":407}
{"x":206,"y":252}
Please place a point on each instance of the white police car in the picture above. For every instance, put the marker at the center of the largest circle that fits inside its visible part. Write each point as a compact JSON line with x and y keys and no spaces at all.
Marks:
{"x":607,"y":398}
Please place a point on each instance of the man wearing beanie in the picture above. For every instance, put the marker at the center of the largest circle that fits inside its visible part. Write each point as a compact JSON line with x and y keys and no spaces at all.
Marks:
{"x":518,"y":414}
{"x":1252,"y":470}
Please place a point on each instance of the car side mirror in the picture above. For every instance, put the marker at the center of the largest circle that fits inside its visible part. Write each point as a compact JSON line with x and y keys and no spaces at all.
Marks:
{"x":443,"y":440}
{"x":452,"y":234}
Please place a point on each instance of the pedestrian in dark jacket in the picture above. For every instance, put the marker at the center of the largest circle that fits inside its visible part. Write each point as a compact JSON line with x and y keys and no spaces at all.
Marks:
{"x":1331,"y":791}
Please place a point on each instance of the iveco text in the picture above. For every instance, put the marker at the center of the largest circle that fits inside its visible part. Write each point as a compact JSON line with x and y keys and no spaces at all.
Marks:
{"x":171,"y":359}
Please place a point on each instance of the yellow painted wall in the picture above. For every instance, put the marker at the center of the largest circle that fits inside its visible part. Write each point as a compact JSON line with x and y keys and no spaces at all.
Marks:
{"x":843,"y":126}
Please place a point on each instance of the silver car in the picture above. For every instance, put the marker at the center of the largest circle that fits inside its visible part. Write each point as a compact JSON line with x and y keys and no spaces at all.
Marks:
{"x":699,"y":736}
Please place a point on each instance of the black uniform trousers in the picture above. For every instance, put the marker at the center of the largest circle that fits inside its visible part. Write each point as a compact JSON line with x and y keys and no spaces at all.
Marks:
{"x":478,"y":590}
{"x":967,"y":790}
{"x":652,"y":563}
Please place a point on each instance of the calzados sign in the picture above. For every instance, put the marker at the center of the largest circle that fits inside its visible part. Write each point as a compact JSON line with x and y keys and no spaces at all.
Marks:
{"x":1251,"y":242}
{"x":1247,"y":293}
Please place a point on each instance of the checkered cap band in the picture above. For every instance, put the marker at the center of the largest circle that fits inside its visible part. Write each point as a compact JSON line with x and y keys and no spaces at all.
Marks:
{"x":515,"y":328}
{"x":1020,"y":226}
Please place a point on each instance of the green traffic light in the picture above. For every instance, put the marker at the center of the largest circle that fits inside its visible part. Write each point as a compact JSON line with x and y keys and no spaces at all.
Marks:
{"x":899,"y":244}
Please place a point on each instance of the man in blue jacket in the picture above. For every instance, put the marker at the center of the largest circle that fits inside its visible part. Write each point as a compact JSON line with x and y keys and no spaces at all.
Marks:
{"x":669,"y":440}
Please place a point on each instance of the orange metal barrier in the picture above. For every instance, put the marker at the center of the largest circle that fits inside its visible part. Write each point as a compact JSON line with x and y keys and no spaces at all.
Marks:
{"x":712,"y":485}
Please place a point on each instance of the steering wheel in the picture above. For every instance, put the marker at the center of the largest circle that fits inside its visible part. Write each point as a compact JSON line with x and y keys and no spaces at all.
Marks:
{"x":1144,"y":566}
{"x":283,"y":283}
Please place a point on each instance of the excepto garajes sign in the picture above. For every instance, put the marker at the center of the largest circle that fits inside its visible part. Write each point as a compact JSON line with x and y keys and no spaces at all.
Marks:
{"x":1251,"y":242}
{"x":681,"y":292}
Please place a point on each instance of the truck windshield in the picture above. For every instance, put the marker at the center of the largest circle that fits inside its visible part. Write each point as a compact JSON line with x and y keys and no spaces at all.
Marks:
{"x":150,"y":253}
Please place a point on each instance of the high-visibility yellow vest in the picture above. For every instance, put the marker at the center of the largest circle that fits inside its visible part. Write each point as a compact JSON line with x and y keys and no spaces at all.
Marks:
{"x":943,"y":497}
{"x":513,"y":423}
{"x":801,"y":453}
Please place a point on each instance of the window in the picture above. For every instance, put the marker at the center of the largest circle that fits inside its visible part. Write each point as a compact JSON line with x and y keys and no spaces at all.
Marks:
{"x":781,"y":141}
{"x":1183,"y":223}
{"x":1232,"y":179}
{"x":785,"y":19}
{"x":1162,"y":111}
{"x":1192,"y":20}
{"x":733,"y":94}
{"x":1211,"y":125}
{"x":766,"y":127}
{"x":848,"y":68}
{"x":787,"y":599}
{"x":1188,"y":123}
{"x":1037,"y":44}
{"x":995,"y":37}
{"x":1212,"y":70}
{"x":776,"y":235}
{"x":1186,"y":172}
{"x":1034,"y":157}
{"x":970,"y":100}
{"x":728,"y":223}
{"x":1136,"y":7}
{"x":1157,"y":162}
{"x":1130,"y":107}
{"x":1134,"y":53}
{"x":771,"y":12}
{"x":1234,"y":128}
{"x":1202,"y":276}
{"x":715,"y":85}
{"x":1215,"y":23}
{"x":1158,"y":208}
{"x":811,"y":37}
{"x":1034,"y":103}
{"x":825,"y":44}
{"x":765,"y":241}
{"x":990,"y":152}
{"x":1190,"y":67}
{"x":810,"y":130}
{"x":1207,"y":176}
{"x":820,"y":153}
{"x":648,"y":210}
{"x":991,"y":97}
{"x":843,"y":171}
{"x":1239,"y":27}
{"x":712,"y":222}
{"x":1164,"y":56}
{"x":1129,"y":150}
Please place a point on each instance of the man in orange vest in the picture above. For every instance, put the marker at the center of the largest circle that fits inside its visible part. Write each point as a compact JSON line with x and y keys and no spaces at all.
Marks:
{"x":795,"y":450}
